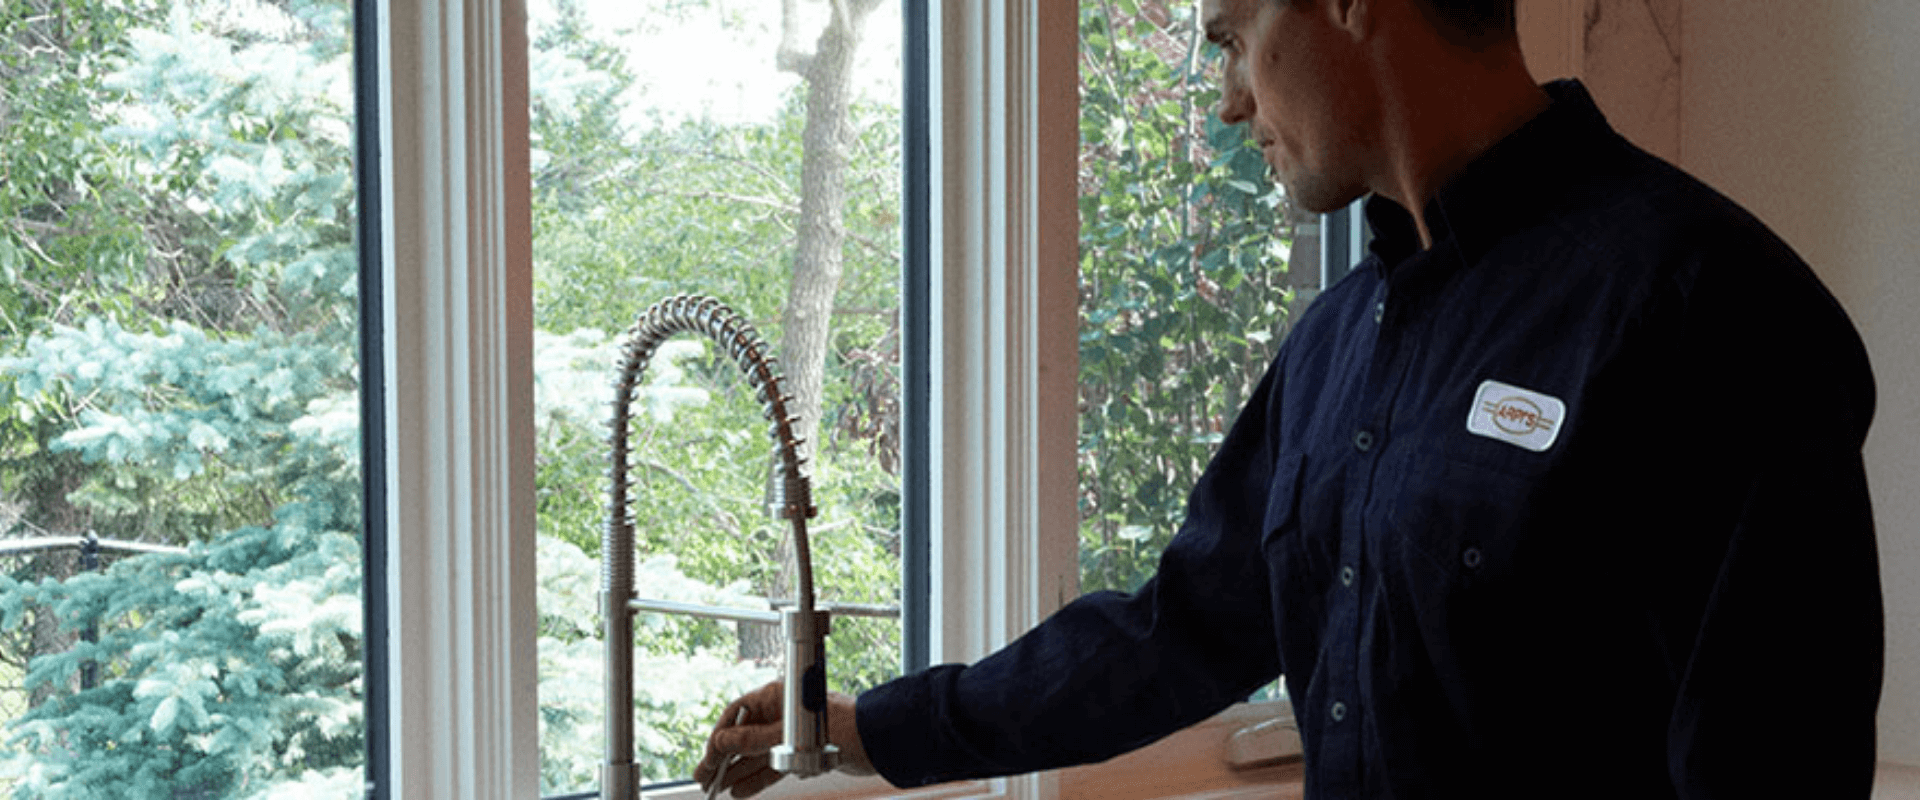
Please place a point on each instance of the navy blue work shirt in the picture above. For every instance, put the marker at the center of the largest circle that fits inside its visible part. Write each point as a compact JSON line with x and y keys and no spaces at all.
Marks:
{"x":1570,"y":504}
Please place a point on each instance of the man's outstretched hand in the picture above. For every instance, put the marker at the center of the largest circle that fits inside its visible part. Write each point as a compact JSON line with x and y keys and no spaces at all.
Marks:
{"x":750,"y":737}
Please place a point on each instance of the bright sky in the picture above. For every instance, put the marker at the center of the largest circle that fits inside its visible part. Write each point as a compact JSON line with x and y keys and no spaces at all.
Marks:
{"x":715,"y":58}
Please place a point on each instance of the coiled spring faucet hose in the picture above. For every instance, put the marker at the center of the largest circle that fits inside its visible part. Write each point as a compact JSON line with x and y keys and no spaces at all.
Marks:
{"x":805,"y":750}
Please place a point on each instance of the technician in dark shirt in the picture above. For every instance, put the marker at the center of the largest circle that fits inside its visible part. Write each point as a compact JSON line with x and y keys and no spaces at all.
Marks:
{"x":1559,"y":494}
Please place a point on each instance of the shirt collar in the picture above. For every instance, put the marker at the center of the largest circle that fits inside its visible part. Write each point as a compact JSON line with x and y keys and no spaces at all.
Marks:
{"x":1507,"y":188}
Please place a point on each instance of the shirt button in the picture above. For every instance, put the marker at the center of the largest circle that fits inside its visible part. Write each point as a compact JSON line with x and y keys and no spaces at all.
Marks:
{"x":1379,"y":311}
{"x":1338,"y":711}
{"x":1471,"y":558}
{"x":1363,"y":441}
{"x":1346,"y":576}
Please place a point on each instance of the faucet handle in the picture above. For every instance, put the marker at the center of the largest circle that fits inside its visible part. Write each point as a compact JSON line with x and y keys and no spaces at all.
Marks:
{"x":805,"y":750}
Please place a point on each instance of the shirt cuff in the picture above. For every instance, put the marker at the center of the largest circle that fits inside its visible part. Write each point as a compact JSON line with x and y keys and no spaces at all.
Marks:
{"x":897,"y":729}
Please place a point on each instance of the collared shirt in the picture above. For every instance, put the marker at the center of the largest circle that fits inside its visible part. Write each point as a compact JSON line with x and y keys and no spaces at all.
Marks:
{"x":1569,"y":504}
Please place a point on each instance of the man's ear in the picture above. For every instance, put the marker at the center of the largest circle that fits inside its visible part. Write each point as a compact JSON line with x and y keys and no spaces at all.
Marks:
{"x":1356,"y":17}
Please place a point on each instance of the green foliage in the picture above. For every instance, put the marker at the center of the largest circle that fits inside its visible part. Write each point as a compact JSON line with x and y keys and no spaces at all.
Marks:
{"x":220,"y":669}
{"x":697,"y":206}
{"x":576,"y":80}
{"x":183,"y":374}
{"x":244,"y":132}
{"x":1183,"y":249}
{"x":176,"y":419}
{"x":70,"y":238}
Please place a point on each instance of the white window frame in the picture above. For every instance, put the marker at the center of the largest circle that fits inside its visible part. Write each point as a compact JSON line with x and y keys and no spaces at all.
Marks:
{"x":462,"y":721}
{"x":457,"y":272}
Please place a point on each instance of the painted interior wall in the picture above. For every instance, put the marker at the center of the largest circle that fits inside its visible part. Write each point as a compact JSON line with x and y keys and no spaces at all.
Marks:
{"x":1809,"y":115}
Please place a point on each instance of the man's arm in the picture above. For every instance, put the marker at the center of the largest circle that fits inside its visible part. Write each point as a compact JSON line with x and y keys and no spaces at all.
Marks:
{"x":1779,"y":697}
{"x":1109,"y":672}
{"x":1781,"y":688}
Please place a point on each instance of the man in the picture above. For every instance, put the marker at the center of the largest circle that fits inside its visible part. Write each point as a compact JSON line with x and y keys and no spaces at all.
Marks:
{"x":1558,"y":495}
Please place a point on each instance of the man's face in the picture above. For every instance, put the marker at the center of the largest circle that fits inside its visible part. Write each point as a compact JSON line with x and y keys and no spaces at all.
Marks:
{"x":1291,"y":74}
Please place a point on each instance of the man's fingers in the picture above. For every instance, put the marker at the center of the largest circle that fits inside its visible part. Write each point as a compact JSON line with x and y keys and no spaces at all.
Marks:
{"x":755,"y":774}
{"x":745,"y":776}
{"x":748,"y":726}
{"x":749,"y":739}
{"x":761,"y":706}
{"x":714,"y":756}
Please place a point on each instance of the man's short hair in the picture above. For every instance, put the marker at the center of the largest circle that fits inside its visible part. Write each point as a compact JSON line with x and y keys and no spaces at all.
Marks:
{"x":1473,"y":23}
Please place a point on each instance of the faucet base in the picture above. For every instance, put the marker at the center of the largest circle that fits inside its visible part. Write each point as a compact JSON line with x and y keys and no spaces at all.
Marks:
{"x":805,"y":764}
{"x":620,"y":781}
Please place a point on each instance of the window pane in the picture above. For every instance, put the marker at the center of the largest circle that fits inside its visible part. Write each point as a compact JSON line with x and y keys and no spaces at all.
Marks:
{"x":179,"y":446}
{"x":688,"y":148}
{"x":1192,"y":263}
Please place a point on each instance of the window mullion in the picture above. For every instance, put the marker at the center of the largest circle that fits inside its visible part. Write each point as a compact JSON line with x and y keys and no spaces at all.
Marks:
{"x":462,"y":717}
{"x":1003,"y":302}
{"x":1002,"y":446}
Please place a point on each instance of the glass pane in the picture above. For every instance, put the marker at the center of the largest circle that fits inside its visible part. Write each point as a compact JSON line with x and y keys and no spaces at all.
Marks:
{"x":1192,"y":263}
{"x":179,"y":431}
{"x":695,"y":148}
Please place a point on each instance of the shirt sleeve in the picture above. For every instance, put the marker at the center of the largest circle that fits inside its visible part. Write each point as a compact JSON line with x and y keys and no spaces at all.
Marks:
{"x":1779,"y":697}
{"x":1109,"y":672}
{"x":1780,"y":691}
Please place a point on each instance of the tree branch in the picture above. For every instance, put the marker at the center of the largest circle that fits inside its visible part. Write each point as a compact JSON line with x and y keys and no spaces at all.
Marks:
{"x":793,"y":56}
{"x":867,"y":242}
{"x":780,"y":184}
{"x":720,"y":515}
{"x":765,"y":202}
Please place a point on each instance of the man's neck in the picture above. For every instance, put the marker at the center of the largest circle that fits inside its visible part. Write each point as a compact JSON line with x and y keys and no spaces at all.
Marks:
{"x":1442,"y":110}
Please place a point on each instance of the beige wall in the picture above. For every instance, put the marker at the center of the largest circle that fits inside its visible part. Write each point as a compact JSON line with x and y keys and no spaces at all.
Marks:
{"x":1808,"y":114}
{"x":1626,"y":51}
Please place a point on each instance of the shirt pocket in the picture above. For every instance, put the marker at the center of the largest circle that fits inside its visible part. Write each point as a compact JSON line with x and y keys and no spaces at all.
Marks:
{"x":1459,"y":525}
{"x":1283,"y":498}
{"x":1296,"y":561}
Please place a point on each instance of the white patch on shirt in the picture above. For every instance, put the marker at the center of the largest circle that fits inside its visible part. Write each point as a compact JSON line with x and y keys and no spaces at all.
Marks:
{"x":1516,"y":416}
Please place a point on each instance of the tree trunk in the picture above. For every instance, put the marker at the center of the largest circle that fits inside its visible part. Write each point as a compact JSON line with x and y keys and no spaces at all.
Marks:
{"x":44,"y":502}
{"x":47,"y":636}
{"x":818,"y":251}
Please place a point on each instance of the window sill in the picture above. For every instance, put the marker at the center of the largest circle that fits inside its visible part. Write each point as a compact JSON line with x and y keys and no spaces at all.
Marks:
{"x":1194,"y":764}
{"x":837,"y":786}
{"x":1164,"y":771}
{"x":1191,"y":765}
{"x":1896,"y":782}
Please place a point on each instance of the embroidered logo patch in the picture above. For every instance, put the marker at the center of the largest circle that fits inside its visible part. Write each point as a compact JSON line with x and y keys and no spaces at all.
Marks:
{"x":1516,"y":416}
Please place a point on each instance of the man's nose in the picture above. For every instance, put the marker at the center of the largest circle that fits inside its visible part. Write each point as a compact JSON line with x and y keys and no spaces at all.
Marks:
{"x":1236,"y":103}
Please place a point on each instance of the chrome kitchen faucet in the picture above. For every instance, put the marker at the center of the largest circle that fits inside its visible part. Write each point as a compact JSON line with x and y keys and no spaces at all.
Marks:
{"x":804,"y":751}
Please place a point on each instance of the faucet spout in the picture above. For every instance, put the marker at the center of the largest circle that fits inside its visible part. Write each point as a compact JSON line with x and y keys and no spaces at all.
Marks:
{"x":806,"y":751}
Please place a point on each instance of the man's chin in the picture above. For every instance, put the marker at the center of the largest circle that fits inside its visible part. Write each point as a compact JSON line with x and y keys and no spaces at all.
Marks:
{"x":1319,"y":202}
{"x":1311,"y":193}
